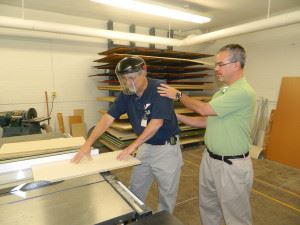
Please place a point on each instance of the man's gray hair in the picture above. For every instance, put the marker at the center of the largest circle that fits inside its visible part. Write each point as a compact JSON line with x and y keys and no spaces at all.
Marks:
{"x":237,"y":53}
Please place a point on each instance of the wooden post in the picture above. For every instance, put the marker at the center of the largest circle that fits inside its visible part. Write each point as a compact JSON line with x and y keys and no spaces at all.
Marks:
{"x":47,"y":106}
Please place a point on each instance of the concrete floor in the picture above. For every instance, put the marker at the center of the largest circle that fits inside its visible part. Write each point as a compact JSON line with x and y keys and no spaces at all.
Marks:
{"x":275,"y":196}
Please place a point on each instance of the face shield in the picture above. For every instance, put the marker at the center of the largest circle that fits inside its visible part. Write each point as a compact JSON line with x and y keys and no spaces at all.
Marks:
{"x":128,"y":71}
{"x":128,"y":82}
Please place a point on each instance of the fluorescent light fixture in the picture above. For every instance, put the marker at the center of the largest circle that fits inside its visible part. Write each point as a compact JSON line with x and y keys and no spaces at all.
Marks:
{"x":154,"y":10}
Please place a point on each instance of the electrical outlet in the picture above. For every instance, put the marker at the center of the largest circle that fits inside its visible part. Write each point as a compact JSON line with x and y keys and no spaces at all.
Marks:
{"x":53,"y":94}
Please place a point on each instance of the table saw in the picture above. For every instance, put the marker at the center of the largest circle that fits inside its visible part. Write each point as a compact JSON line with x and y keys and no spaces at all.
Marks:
{"x":93,"y":199}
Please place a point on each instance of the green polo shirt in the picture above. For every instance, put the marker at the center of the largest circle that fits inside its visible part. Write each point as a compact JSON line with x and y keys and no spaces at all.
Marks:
{"x":228,"y":133}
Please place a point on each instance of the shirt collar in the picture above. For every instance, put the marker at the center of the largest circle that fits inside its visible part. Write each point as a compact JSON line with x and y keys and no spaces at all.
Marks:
{"x":223,"y":89}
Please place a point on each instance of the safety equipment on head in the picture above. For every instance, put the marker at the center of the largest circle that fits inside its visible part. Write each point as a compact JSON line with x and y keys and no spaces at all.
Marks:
{"x":130,"y":64}
{"x":126,"y":66}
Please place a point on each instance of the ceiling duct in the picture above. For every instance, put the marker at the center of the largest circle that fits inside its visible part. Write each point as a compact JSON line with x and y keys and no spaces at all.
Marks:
{"x":263,"y":24}
{"x":34,"y":25}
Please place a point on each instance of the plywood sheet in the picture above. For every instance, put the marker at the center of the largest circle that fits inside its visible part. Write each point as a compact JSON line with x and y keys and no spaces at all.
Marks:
{"x":66,"y":170}
{"x":109,"y":145}
{"x":184,"y":127}
{"x":122,"y":117}
{"x":79,"y":112}
{"x":79,"y":130}
{"x":154,"y":52}
{"x":177,"y":86}
{"x":158,"y":75}
{"x":154,"y":60}
{"x":22,"y":149}
{"x":106,"y":99}
{"x":32,"y":137}
{"x":191,"y":140}
{"x":121,"y":125}
{"x":125,"y":126}
{"x":74,"y":120}
{"x":122,"y":135}
{"x":284,"y":143}
{"x":112,"y":98}
{"x":111,"y":139}
{"x":160,"y":68}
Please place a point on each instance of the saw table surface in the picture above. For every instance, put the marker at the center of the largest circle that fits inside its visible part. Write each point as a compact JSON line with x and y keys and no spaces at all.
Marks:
{"x":79,"y":201}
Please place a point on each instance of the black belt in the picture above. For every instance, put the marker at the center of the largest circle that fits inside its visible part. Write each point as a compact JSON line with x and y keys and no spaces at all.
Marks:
{"x":171,"y":140}
{"x":226,"y":158}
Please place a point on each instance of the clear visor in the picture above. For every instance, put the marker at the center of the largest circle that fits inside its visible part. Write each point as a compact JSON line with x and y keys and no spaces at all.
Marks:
{"x":127,"y":82}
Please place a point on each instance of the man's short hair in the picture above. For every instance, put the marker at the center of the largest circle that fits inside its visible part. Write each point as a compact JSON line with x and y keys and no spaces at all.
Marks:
{"x":237,"y":53}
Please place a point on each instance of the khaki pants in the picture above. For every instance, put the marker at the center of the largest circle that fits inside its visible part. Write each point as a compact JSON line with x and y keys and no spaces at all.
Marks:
{"x":162,"y":162}
{"x":225,"y":189}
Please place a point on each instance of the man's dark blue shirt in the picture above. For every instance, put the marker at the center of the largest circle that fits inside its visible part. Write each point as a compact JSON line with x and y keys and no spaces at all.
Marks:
{"x":149,"y":106}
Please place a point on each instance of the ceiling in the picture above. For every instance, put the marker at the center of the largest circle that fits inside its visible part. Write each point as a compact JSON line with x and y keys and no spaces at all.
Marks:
{"x":223,"y":13}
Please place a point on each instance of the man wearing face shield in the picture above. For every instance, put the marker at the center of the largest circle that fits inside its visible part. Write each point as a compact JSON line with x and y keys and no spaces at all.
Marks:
{"x":154,"y":121}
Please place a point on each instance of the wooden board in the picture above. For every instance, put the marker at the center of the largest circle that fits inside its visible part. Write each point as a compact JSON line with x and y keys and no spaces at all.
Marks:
{"x":154,"y":52}
{"x":122,"y":117}
{"x":109,"y":145}
{"x":190,"y":133}
{"x":79,"y":112}
{"x":66,"y":170}
{"x":112,"y":98}
{"x":29,"y":148}
{"x":191,"y":140}
{"x":106,"y":99}
{"x":115,"y":144}
{"x":189,"y":82}
{"x":124,"y":143}
{"x":123,"y":125}
{"x":283,"y":144}
{"x":79,"y":130}
{"x":32,"y":137}
{"x":60,"y":121}
{"x":184,"y":127}
{"x":122,"y":135}
{"x":167,"y":76}
{"x":177,"y":86}
{"x":74,"y":120}
{"x":183,"y":111}
{"x":154,"y":60}
{"x":129,"y":134}
{"x":159,"y":68}
{"x":116,"y":141}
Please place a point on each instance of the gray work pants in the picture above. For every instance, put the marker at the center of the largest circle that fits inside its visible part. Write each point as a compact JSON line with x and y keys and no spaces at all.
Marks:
{"x":225,"y":189}
{"x":162,"y":162}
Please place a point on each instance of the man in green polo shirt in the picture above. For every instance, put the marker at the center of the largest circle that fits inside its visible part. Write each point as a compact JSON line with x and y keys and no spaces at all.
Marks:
{"x":226,"y":173}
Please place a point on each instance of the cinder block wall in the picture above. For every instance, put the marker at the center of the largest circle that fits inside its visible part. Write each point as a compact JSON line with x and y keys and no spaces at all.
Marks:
{"x":30,"y":66}
{"x":271,"y":55}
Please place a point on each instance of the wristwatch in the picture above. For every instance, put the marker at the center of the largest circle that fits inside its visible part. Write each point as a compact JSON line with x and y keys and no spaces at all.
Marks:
{"x":178,"y":96}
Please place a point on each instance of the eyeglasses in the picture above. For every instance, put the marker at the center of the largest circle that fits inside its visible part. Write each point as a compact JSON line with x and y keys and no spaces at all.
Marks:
{"x":220,"y":64}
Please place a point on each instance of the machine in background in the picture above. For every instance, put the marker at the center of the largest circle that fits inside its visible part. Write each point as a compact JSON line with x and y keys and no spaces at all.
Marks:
{"x":21,"y":122}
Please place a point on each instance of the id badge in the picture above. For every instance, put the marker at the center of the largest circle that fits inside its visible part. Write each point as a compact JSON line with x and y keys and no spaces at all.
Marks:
{"x":144,"y":123}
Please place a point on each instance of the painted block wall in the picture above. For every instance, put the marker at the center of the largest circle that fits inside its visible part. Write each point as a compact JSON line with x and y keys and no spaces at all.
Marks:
{"x":30,"y":66}
{"x":271,"y":55}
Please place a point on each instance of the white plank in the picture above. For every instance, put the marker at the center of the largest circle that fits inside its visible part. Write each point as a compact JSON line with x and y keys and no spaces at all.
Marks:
{"x":29,"y":163}
{"x":40,"y":147}
{"x":66,"y":170}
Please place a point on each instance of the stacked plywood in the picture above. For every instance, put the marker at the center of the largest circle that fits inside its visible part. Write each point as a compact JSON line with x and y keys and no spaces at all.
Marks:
{"x":181,"y":70}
